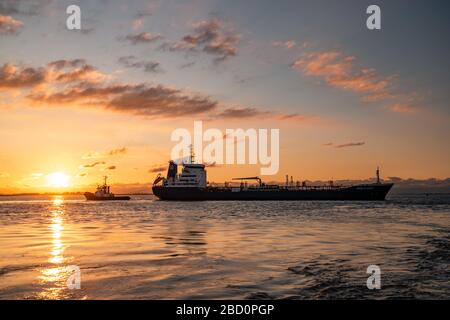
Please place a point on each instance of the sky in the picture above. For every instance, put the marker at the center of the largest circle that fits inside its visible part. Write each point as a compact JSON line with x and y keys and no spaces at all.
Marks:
{"x":105,"y":99}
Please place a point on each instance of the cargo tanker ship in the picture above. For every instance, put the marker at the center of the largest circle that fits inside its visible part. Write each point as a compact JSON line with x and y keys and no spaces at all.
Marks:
{"x":191,"y":185}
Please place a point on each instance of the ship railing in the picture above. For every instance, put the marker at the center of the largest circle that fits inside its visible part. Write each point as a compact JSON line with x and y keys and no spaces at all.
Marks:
{"x":263,"y":187}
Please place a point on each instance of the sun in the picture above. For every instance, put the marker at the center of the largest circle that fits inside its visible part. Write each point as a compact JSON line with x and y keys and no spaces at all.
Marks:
{"x":58,"y":179}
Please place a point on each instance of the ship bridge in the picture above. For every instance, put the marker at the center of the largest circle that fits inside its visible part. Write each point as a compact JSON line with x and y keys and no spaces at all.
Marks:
{"x":192,"y":175}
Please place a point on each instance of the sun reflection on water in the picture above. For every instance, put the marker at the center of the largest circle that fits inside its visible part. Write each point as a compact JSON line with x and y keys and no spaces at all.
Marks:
{"x":54,"y":277}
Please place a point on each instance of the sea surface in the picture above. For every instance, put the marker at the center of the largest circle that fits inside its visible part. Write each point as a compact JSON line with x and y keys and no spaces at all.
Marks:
{"x":150,"y":249}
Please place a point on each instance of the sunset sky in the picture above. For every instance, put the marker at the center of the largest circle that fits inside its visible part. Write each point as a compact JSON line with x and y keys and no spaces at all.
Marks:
{"x":104,"y":100}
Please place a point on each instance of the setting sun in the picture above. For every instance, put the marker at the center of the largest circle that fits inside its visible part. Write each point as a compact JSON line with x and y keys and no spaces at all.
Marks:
{"x":58,"y":179}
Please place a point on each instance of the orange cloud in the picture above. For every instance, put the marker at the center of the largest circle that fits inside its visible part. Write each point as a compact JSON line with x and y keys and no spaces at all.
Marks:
{"x":76,"y":83}
{"x":97,"y":155}
{"x":60,"y":71}
{"x":13,"y":77}
{"x":73,"y":70}
{"x":10,"y":26}
{"x":402,"y":108}
{"x":339,"y":71}
{"x":92,"y":165}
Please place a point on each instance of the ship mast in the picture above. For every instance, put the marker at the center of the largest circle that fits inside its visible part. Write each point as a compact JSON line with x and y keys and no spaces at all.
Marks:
{"x":192,"y":155}
{"x":378,"y":174}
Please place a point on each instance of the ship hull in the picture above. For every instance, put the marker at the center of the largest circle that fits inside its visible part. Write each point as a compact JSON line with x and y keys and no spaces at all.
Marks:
{"x":92,"y":197}
{"x":369,"y":192}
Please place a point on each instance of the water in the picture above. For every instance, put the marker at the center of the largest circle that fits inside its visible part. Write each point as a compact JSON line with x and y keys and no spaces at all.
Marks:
{"x":149,"y":249}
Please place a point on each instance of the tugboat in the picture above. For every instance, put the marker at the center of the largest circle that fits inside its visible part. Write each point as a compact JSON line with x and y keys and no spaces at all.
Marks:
{"x":103,"y":194}
{"x":192,"y":185}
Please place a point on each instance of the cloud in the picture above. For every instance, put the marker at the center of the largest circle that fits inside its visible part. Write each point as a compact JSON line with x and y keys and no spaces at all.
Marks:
{"x":289,"y":44}
{"x":61,"y":64}
{"x":10,"y":26}
{"x":60,"y":71}
{"x":350,"y":144}
{"x":141,"y":99}
{"x":157,"y":169}
{"x":187,"y":65}
{"x":75,"y":83}
{"x":402,"y":108}
{"x":73,"y":70}
{"x":249,"y":112}
{"x":4,"y":175}
{"x":83,"y":174}
{"x":98,"y":155}
{"x":339,"y":71}
{"x":25,"y":7}
{"x":92,"y":165}
{"x":111,"y":168}
{"x":142,"y":37}
{"x":209,"y":36}
{"x":344,"y":145}
{"x":147,"y":66}
{"x":12,"y":76}
{"x":137,"y":23}
{"x":114,"y":152}
{"x":241,"y":113}
{"x":291,"y":116}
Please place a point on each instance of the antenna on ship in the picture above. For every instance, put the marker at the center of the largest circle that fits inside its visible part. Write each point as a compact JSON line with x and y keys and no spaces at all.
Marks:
{"x":378,"y":174}
{"x":192,"y":154}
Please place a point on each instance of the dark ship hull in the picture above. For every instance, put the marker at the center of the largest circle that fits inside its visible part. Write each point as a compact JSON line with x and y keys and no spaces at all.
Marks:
{"x":368,"y":192}
{"x":92,"y":197}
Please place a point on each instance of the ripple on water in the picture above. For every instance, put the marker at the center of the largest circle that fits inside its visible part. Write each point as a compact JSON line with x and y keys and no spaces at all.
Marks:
{"x":145,"y":249}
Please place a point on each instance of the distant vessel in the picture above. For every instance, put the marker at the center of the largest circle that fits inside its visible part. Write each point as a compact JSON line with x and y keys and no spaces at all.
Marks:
{"x":103,"y":194}
{"x":192,"y":185}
